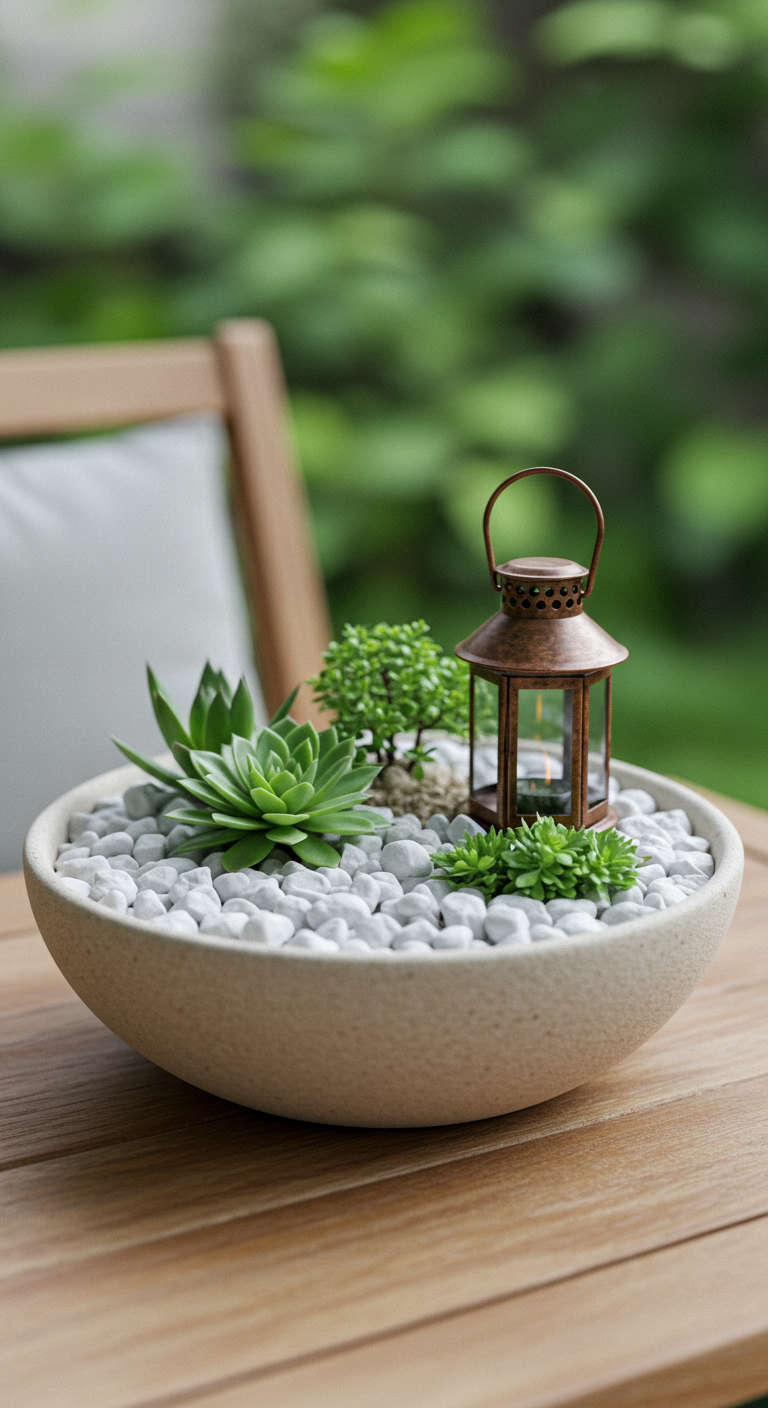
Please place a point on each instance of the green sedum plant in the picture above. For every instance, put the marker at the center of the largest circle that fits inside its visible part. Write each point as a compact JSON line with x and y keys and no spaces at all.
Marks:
{"x":545,"y":860}
{"x":387,"y":680}
{"x":285,"y":784}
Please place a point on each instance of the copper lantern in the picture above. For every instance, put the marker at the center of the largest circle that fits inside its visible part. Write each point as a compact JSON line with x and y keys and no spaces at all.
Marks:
{"x":540,"y":689}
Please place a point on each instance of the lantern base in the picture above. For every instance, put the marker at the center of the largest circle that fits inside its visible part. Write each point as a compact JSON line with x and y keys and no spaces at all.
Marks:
{"x":483,"y":808}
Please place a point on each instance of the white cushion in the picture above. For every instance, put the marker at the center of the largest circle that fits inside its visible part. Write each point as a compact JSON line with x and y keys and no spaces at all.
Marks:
{"x":113,"y":551}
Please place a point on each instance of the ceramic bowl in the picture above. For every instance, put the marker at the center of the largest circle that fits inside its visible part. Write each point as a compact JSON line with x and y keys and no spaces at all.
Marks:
{"x":369,"y":1040}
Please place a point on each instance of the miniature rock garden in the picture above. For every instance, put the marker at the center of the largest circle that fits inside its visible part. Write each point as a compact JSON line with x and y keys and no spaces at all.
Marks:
{"x":357,"y":838}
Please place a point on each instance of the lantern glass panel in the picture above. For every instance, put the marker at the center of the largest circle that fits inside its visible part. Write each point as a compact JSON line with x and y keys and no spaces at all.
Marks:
{"x":485,"y":756}
{"x":544,"y":744}
{"x":596,"y":769}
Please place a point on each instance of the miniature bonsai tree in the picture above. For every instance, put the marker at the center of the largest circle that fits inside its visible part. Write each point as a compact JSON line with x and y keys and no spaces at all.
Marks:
{"x":381,"y":681}
{"x":284,"y":784}
{"x":545,"y":861}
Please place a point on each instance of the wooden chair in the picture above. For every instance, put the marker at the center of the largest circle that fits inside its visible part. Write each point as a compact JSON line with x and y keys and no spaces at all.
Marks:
{"x":237,"y":375}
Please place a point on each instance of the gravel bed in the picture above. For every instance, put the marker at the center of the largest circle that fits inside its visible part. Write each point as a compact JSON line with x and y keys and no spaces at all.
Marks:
{"x":385,"y":895}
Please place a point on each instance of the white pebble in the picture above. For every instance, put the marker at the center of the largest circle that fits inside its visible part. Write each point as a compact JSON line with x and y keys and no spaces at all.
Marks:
{"x":307,"y":884}
{"x":225,"y":926}
{"x":199,"y":876}
{"x":115,"y":843}
{"x":647,"y":873}
{"x":540,"y":932}
{"x":123,"y":863}
{"x":377,"y":930}
{"x":352,"y":857}
{"x":336,"y":929}
{"x":669,"y":891}
{"x":408,"y":907}
{"x":405,"y":859}
{"x":354,"y":945}
{"x":338,"y":879}
{"x":697,"y":863}
{"x":405,"y":828}
{"x":148,"y":905}
{"x":200,"y":903}
{"x":234,"y":884}
{"x":149,"y":847}
{"x":267,"y":928}
{"x":654,"y":901}
{"x":632,"y":895}
{"x":557,"y":908}
{"x":339,"y":904}
{"x":179,"y":922}
{"x":71,"y":853}
{"x":215,"y":862}
{"x":366,"y":888}
{"x":370,"y":845}
{"x":502,"y":923}
{"x":158,"y":877}
{"x":439,"y":824}
{"x":674,"y":820}
{"x":79,"y":889}
{"x":389,"y":885}
{"x":535,"y":909}
{"x":633,"y":799}
{"x":145,"y":826}
{"x":579,"y":922}
{"x":460,"y":827}
{"x":78,"y":823}
{"x":238,"y":906}
{"x":85,"y":868}
{"x":657,"y":854}
{"x":460,"y":907}
{"x":455,"y":936}
{"x":422,"y":929}
{"x":429,"y":840}
{"x":623,"y":911}
{"x":691,"y":843}
{"x":114,"y":880}
{"x":145,"y":799}
{"x":292,"y":907}
{"x":307,"y":938}
{"x":114,"y":900}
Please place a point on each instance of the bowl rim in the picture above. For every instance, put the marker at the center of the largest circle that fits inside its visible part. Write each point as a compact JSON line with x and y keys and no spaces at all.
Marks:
{"x":38,"y":862}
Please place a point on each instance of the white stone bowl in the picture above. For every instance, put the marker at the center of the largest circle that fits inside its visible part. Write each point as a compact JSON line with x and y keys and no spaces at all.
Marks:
{"x":353,"y":1039}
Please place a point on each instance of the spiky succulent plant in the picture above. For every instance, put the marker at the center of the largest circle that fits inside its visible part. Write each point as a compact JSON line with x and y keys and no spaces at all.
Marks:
{"x":217,"y":714}
{"x":285,"y":784}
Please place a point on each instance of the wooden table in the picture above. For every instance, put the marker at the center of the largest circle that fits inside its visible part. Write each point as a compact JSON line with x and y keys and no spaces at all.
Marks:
{"x":160,"y":1246}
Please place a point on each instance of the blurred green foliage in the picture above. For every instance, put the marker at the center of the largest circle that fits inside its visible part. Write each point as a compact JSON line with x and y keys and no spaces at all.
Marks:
{"x":483,"y":244}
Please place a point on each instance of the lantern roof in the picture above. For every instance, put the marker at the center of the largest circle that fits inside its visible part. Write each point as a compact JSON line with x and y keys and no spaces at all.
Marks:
{"x":538,"y":568}
{"x":541,"y":645}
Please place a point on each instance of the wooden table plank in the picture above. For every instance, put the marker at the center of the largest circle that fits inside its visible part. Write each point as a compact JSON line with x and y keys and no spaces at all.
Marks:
{"x":299,"y":1279}
{"x":15,"y":913}
{"x":197,"y":1173}
{"x":686,"y":1327}
{"x":163,"y":1245}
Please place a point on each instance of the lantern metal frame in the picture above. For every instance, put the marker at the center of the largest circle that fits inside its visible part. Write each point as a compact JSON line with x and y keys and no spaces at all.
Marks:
{"x":541,"y":639}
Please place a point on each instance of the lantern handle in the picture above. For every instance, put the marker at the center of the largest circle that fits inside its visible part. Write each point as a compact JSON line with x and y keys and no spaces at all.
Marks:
{"x":559,"y":474}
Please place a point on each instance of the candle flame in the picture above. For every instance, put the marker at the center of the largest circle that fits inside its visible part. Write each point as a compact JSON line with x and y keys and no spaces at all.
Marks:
{"x":547,"y":769}
{"x":539,"y":708}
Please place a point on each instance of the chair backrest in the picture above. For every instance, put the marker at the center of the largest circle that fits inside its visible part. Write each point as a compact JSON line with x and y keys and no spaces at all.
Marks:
{"x":236,"y":375}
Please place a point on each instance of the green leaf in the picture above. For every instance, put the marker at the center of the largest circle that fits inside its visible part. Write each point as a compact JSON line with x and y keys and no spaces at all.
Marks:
{"x":267,"y":801}
{"x":198,"y":714}
{"x":250,"y":851}
{"x":211,"y":840}
{"x":190,"y":817}
{"x":284,"y":709}
{"x":241,"y":712}
{"x":285,"y":818}
{"x":298,"y":796}
{"x":281,"y":781}
{"x":267,"y":741}
{"x":183,"y":757}
{"x":341,"y":823}
{"x":202,"y":791}
{"x":313,"y":851}
{"x":170,"y":725}
{"x":237,"y":823}
{"x":218,"y":729}
{"x":287,"y":836}
{"x":147,"y":765}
